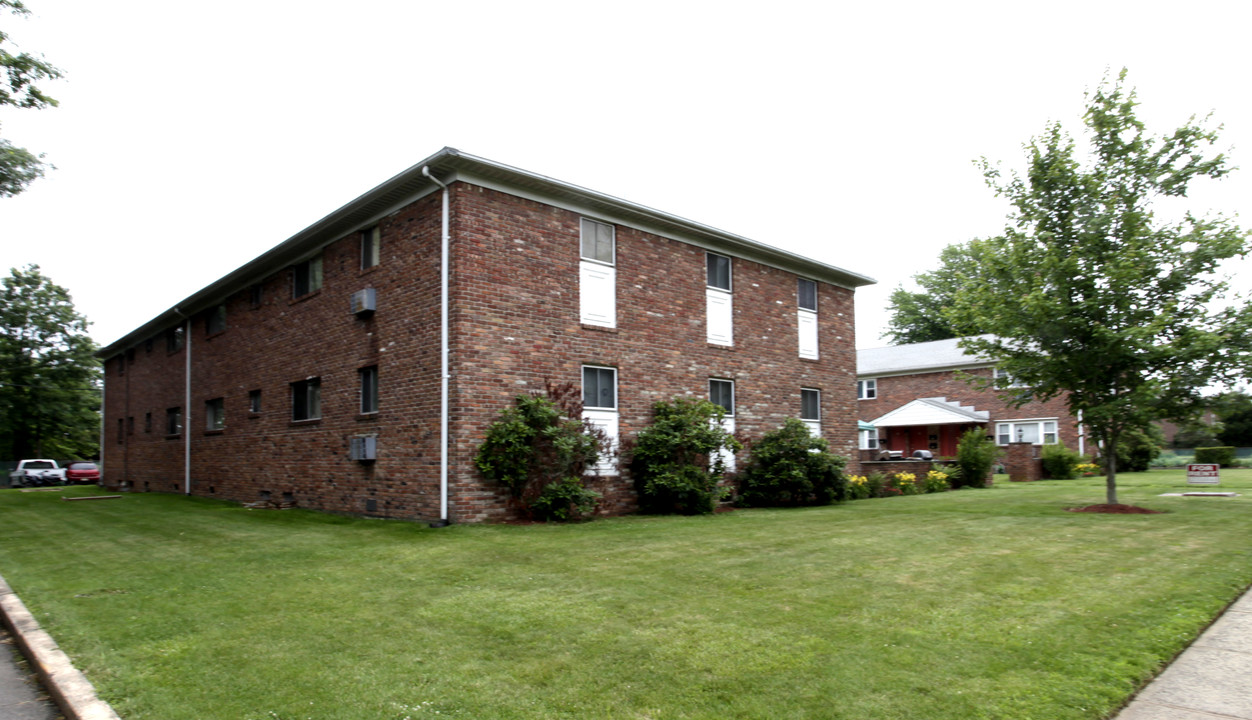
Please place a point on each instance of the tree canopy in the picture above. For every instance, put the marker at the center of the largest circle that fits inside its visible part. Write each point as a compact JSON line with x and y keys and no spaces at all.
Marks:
{"x":49,"y":377}
{"x":919,"y":316}
{"x":1091,"y":294}
{"x":21,"y":71}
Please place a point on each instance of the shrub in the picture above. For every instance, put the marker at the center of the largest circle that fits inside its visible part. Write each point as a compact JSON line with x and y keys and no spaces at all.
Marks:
{"x":1169,"y":459}
{"x":1086,"y":468}
{"x":937,"y":480}
{"x":1060,"y":463}
{"x":1224,"y":456}
{"x":564,"y":500}
{"x":858,"y":487}
{"x":976,"y":454}
{"x":539,"y":443}
{"x":675,"y":460}
{"x":902,"y":483}
{"x":789,"y":466}
{"x":1136,"y":449}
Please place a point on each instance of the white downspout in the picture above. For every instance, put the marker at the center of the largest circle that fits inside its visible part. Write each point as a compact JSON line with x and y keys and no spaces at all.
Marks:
{"x":186,"y":403}
{"x":1082,"y":435}
{"x":443,"y":353}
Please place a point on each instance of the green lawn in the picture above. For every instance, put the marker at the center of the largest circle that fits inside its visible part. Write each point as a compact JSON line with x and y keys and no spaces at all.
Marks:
{"x":992,"y":603}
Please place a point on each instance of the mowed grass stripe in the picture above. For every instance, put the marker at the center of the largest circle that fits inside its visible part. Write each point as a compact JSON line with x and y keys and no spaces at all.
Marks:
{"x":989,"y":603}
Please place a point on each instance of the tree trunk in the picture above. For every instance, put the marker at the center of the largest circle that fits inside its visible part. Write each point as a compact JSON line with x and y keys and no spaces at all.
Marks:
{"x":1110,"y":464}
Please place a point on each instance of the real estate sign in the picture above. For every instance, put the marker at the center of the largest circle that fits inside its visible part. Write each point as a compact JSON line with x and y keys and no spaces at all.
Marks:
{"x":1202,"y":474}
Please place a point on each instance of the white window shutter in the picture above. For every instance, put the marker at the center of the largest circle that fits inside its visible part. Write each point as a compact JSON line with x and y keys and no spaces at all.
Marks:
{"x":605,"y":420}
{"x":720,"y":317}
{"x":597,"y":294}
{"x":807,"y":321}
{"x":727,"y":457}
{"x":815,"y":427}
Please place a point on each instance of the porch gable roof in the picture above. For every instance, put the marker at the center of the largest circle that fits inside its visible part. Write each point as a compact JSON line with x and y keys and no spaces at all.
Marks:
{"x":931,"y":411}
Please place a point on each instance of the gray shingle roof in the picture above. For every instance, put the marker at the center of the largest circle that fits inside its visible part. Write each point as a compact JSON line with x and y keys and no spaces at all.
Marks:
{"x":914,"y":358}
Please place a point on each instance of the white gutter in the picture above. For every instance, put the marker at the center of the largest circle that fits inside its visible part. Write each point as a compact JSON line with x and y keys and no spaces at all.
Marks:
{"x":443,"y":353}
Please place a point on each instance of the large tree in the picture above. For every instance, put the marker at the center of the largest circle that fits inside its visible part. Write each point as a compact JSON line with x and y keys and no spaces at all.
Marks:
{"x":1091,"y":293}
{"x":18,"y":166}
{"x":918,"y":316}
{"x":49,"y":377}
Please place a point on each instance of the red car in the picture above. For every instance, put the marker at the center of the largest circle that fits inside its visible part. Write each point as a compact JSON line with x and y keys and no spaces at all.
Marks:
{"x":82,"y":472}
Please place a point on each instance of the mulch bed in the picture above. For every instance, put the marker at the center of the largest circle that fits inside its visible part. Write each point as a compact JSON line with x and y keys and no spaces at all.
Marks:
{"x":1115,"y":509}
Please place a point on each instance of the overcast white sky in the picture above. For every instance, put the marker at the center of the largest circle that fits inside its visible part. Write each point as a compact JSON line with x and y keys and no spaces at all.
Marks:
{"x":191,"y":137}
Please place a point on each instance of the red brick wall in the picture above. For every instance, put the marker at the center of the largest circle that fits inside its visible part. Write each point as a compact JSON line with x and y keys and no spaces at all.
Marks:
{"x":894,"y":392}
{"x":515,"y":325}
{"x":286,"y":340}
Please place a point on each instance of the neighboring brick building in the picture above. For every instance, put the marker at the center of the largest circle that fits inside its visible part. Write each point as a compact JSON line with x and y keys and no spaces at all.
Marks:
{"x":919,"y":397}
{"x":268,"y":382}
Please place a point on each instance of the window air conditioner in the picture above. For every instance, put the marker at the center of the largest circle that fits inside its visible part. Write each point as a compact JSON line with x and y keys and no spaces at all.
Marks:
{"x":363,"y":301}
{"x":364,"y":449}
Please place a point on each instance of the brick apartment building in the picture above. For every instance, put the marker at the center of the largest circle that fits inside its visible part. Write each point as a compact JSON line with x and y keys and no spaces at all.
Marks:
{"x":918,"y":397}
{"x":314,"y":373}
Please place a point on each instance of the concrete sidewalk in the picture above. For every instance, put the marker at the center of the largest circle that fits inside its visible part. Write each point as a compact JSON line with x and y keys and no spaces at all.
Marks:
{"x":1210,"y":680}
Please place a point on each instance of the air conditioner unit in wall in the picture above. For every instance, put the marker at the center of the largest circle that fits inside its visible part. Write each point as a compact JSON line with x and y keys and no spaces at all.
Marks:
{"x":363,"y":301}
{"x":363,"y":449}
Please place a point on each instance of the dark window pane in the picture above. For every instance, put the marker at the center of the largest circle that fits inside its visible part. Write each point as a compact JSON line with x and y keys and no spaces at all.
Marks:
{"x":722,"y":393}
{"x":810,"y":405}
{"x":806,"y":293}
{"x":719,"y":271}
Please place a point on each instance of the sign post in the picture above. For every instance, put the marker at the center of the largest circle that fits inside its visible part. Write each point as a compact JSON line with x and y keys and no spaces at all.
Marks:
{"x":1203,"y":474}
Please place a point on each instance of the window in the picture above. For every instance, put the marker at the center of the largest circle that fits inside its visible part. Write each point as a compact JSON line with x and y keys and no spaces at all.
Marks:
{"x":306,"y":277}
{"x":173,"y":421}
{"x":866,"y":389}
{"x":599,"y":388}
{"x":174,"y":339}
{"x":256,"y":295}
{"x":811,"y":410}
{"x":597,"y":276}
{"x":719,"y":271}
{"x":216,"y":321}
{"x":130,"y":425}
{"x":719,"y":303}
{"x":1038,"y":432}
{"x":600,"y":410}
{"x":371,"y":244}
{"x":597,"y":242}
{"x":722,"y":394}
{"x":215,"y":414}
{"x":868,"y":439}
{"x":369,"y":389}
{"x":121,"y":431}
{"x":1004,"y":379}
{"x":806,"y":294}
{"x":254,"y":401}
{"x":306,"y":399}
{"x":806,"y":317}
{"x":147,"y":422}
